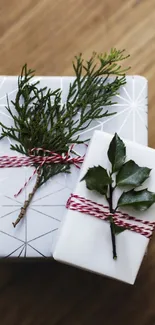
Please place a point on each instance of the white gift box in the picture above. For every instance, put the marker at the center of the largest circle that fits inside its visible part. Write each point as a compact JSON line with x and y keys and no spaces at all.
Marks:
{"x":35,"y":234}
{"x":85,"y":241}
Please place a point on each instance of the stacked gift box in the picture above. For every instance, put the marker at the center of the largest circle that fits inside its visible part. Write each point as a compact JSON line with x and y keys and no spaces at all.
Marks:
{"x":38,"y":233}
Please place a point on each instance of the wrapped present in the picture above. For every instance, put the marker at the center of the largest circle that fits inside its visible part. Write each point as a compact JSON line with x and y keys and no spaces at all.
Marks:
{"x":35,"y":235}
{"x":86,"y":238}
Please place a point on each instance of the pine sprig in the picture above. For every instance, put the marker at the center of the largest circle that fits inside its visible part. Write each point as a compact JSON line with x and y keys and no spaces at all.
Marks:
{"x":40,"y":119}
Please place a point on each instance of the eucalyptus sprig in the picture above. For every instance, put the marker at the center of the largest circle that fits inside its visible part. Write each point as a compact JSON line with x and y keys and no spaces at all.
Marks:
{"x":122,"y":174}
{"x":41,"y":120}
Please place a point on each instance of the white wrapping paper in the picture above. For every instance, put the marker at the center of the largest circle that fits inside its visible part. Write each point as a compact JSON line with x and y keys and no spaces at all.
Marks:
{"x":85,"y":241}
{"x":35,"y":235}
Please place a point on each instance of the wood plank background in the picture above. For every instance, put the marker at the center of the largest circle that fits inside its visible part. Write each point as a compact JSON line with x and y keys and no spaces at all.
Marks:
{"x":47,"y":34}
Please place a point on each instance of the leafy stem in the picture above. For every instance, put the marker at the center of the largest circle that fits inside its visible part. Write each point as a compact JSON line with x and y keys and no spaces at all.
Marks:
{"x":112,"y":225}
{"x":122,"y":174}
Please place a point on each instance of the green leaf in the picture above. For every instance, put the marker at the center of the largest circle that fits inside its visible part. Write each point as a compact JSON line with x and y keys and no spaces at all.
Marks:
{"x":116,"y":153}
{"x":132,"y":174}
{"x":139,"y":200}
{"x":97,"y":179}
{"x":118,"y":229}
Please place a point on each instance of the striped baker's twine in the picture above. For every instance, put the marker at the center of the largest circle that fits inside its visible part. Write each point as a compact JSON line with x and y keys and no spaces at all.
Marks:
{"x":83,"y":205}
{"x":31,"y":160}
{"x":55,"y":158}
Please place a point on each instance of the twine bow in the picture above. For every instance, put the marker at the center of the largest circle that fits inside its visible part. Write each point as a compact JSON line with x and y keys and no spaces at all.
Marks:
{"x":53,"y":157}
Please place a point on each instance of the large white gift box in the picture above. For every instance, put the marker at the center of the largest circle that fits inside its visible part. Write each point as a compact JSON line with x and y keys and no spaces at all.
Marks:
{"x":84,"y":240}
{"x":35,"y":234}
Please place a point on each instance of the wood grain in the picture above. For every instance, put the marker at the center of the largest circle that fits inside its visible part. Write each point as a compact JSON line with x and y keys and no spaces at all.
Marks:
{"x":47,"y":34}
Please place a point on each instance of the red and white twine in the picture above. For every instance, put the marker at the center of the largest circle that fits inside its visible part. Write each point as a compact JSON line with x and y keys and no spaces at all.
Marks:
{"x":76,"y":202}
{"x":49,"y":157}
{"x":83,"y":205}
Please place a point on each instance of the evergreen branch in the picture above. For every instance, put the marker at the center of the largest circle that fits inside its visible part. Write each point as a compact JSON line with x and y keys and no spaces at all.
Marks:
{"x":52,"y":170}
{"x":27,"y":202}
{"x":40,"y":119}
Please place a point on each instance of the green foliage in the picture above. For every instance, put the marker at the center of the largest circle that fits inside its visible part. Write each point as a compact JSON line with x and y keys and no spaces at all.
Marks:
{"x":97,"y":179}
{"x":124,"y":174}
{"x":128,"y":174}
{"x":116,"y":153}
{"x":118,"y":229}
{"x":139,"y":200}
{"x":40,"y":119}
{"x":132,"y":174}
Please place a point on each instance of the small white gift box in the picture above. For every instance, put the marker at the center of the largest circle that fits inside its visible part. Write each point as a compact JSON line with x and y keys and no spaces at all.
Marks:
{"x":85,"y":241}
{"x":35,"y":235}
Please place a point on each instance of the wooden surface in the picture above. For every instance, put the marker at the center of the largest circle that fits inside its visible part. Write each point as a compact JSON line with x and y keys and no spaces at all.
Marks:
{"x":47,"y":34}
